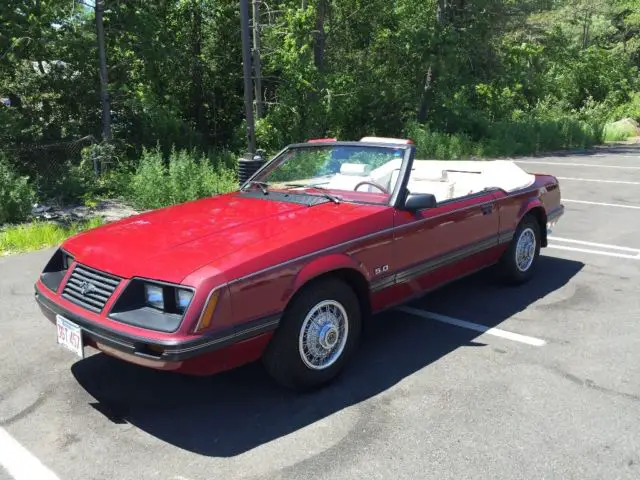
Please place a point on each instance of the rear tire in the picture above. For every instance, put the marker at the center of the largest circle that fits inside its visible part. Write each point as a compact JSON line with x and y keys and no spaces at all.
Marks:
{"x":317,"y":335}
{"x":518,"y":263}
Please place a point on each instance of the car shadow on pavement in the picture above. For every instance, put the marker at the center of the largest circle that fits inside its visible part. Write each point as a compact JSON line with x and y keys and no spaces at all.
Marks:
{"x":231,"y":413}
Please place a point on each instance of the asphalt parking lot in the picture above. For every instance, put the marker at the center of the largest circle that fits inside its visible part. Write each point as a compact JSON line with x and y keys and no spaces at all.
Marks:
{"x":552,"y":390}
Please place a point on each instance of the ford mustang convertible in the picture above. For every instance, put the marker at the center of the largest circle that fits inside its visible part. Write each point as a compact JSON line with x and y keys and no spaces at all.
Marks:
{"x":290,"y":266}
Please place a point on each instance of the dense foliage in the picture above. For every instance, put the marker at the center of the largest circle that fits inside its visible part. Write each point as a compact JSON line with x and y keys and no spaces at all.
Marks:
{"x":16,"y":195}
{"x":186,"y":177}
{"x":482,"y":77}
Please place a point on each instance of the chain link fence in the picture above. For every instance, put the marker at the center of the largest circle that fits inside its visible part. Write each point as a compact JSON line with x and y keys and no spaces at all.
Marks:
{"x":56,"y":169}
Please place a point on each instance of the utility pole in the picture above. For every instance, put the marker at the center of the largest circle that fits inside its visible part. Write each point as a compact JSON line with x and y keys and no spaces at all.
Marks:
{"x":256,"y":59}
{"x":104,"y":84}
{"x":246,"y":65}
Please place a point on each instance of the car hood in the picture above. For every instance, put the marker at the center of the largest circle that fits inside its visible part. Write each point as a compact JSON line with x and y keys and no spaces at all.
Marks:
{"x":170,"y":243}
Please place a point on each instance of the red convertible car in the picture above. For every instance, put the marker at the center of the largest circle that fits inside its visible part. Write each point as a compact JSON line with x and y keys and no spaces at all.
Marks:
{"x":290,"y":266}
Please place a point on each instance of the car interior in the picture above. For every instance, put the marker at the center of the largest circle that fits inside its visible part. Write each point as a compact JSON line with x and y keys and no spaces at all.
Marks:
{"x":456,"y":180}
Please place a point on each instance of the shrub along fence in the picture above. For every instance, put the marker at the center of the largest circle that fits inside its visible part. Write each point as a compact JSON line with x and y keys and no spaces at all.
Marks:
{"x":82,"y":171}
{"x":185,"y":176}
{"x":52,"y":169}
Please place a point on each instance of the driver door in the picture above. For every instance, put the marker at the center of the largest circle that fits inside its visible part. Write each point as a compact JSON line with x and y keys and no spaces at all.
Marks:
{"x":436,"y":245}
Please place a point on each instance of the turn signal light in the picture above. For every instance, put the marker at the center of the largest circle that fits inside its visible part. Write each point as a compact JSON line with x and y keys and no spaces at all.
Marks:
{"x":207,"y":314}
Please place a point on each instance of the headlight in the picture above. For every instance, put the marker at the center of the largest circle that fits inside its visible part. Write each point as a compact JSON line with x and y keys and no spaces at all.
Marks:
{"x":167,"y":298}
{"x":154,"y":296}
{"x":158,"y":306}
{"x":183,"y":298}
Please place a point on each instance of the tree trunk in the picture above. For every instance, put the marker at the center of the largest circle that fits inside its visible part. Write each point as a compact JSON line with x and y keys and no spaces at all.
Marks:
{"x":196,"y":71}
{"x":246,"y":71}
{"x":441,"y":11}
{"x":423,"y":111}
{"x":442,"y":17}
{"x":104,"y":84}
{"x":314,"y":123}
{"x":319,"y":41}
{"x":585,"y":29}
{"x":257,"y":66}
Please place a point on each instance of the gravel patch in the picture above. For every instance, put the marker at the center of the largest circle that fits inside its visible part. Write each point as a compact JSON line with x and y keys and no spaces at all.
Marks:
{"x":110,"y":210}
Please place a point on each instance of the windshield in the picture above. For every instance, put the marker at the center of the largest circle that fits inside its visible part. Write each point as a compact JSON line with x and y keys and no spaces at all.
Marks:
{"x":350,"y":172}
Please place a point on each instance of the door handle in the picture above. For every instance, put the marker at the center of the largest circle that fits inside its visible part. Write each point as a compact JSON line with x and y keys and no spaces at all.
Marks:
{"x":487,"y":208}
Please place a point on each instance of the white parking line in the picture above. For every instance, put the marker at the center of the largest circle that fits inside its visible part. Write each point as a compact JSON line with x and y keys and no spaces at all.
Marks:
{"x":570,"y":164}
{"x":516,"y":337}
{"x":597,"y":180}
{"x":602,"y":204}
{"x":595,"y":252}
{"x":19,"y":462}
{"x":603,"y":248}
{"x":593,"y":244}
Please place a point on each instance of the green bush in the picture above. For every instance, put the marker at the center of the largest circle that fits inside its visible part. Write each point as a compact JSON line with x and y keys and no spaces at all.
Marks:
{"x":99,"y":155}
{"x":438,"y":145}
{"x":533,"y":135}
{"x":615,"y":132}
{"x":69,"y":182}
{"x":186,"y":176}
{"x":525,"y":136}
{"x":631,"y":109}
{"x":116,"y":182}
{"x":16,"y":194}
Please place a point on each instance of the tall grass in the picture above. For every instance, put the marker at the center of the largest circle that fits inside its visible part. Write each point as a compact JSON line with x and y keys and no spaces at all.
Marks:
{"x":40,"y":234}
{"x":507,"y":138}
{"x":185,"y":176}
{"x":620,"y":132}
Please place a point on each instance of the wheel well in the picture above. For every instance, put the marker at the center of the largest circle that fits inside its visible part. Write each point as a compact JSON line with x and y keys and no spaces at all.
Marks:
{"x":351,"y":277}
{"x":541,"y":216}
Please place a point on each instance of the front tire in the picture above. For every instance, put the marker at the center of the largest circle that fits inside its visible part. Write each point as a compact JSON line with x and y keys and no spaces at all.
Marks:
{"x":317,"y":335}
{"x":518,"y":263}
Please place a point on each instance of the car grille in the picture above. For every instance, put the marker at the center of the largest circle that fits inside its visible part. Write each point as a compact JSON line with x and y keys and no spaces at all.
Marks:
{"x":90,"y":288}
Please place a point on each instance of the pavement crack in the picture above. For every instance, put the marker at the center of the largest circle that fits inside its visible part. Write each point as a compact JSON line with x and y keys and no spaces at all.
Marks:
{"x":594,"y":386}
{"x":24,"y":412}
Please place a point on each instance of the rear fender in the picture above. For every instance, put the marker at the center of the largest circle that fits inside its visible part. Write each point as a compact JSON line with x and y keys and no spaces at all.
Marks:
{"x":535,"y":205}
{"x":528,"y":205}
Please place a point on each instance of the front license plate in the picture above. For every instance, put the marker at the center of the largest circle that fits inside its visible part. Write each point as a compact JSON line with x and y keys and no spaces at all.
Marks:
{"x":70,"y":336}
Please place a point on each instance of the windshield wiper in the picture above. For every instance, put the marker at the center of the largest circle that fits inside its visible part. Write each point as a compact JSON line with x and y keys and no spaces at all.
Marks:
{"x":326,"y":194}
{"x":264,"y":186}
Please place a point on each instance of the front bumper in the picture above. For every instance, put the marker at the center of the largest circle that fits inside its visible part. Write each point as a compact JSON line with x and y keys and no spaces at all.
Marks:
{"x":153,"y":352}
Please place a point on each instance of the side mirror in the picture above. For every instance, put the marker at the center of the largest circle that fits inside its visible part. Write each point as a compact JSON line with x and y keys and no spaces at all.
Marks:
{"x":419,"y":201}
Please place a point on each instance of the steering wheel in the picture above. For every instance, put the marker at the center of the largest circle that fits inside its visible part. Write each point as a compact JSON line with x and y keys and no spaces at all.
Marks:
{"x":372,"y":183}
